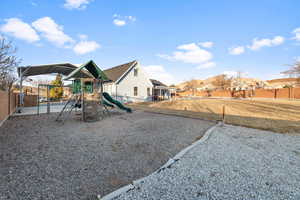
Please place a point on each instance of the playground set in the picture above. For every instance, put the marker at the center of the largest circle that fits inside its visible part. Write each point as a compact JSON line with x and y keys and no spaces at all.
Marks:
{"x":87,"y":90}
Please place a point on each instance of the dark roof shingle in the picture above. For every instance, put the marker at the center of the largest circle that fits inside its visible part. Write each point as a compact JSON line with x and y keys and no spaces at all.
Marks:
{"x":157,"y":83}
{"x":116,"y":72}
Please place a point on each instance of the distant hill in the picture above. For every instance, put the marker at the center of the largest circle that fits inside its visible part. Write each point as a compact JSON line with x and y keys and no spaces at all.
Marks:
{"x":246,"y":82}
{"x":208,"y":83}
{"x":182,"y":85}
{"x":281,"y":82}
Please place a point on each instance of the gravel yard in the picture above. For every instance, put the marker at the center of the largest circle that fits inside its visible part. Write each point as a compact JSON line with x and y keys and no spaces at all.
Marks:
{"x":234,"y":163}
{"x":44,"y":159}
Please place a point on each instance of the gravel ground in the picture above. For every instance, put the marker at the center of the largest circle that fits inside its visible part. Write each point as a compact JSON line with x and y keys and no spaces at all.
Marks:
{"x":44,"y":159}
{"x":234,"y":163}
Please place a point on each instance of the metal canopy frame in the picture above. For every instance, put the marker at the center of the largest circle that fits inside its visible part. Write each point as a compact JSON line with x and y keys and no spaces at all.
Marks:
{"x":60,"y":68}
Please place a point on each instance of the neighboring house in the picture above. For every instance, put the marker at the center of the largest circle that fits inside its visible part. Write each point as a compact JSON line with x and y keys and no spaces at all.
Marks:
{"x":128,"y":83}
{"x":161,"y":91}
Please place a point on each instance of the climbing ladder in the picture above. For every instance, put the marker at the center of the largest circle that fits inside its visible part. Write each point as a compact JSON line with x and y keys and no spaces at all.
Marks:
{"x":72,"y":103}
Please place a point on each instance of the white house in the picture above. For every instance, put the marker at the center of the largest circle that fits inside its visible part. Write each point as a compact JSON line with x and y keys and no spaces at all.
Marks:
{"x":128,"y":83}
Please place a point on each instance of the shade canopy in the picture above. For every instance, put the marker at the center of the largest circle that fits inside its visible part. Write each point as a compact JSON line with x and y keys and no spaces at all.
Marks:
{"x":60,"y":68}
{"x":92,"y":69}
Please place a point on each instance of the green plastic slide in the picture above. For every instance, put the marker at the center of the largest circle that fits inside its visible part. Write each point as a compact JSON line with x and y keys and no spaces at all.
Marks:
{"x":106,"y":103}
{"x":107,"y":97}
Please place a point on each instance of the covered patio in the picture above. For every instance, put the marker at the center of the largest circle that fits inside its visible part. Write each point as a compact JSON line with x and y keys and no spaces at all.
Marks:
{"x":33,"y":70}
{"x":160,"y":91}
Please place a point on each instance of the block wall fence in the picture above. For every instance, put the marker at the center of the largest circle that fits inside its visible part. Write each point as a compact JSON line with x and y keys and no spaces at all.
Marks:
{"x":283,"y":93}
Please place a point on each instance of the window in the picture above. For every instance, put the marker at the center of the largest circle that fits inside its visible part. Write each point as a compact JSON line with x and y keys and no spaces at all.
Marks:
{"x":148,"y":92}
{"x":135,"y":91}
{"x":135,"y":72}
{"x":88,"y":87}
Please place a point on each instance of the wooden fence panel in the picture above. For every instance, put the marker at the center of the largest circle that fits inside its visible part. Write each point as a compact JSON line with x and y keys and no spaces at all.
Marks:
{"x":3,"y":105}
{"x":30,"y":100}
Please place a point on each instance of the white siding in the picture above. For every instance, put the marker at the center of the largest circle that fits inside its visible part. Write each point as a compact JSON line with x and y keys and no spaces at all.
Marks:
{"x":125,"y":88}
{"x":110,"y":88}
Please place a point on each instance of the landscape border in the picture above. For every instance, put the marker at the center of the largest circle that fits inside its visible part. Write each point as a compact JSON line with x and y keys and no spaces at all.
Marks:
{"x":168,"y":164}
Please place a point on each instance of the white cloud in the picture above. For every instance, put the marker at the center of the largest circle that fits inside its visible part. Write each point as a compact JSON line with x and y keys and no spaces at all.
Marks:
{"x":20,"y":29}
{"x":84,"y":47}
{"x":207,"y":65}
{"x":236,"y":50}
{"x":230,"y":73}
{"x":190,"y":53}
{"x":297,"y":34}
{"x":235,"y":73}
{"x":33,"y":3}
{"x":207,"y":44}
{"x":158,"y":72}
{"x":278,"y":40}
{"x":188,"y":47}
{"x":119,"y":22}
{"x":76,"y":4}
{"x":52,"y":31}
{"x":82,"y":36}
{"x":131,"y":18}
{"x":265,"y":42}
{"x":122,"y":20}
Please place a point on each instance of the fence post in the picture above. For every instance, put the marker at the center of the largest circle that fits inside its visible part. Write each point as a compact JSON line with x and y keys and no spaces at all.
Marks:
{"x":223,"y":116}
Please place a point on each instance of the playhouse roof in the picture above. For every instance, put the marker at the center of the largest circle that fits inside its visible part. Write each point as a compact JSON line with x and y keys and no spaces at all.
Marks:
{"x":91,"y":68}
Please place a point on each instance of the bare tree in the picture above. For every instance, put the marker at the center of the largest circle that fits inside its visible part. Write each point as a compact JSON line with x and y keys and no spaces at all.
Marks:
{"x":294,"y":71}
{"x":237,"y":82}
{"x":8,"y":64}
{"x":222,"y":82}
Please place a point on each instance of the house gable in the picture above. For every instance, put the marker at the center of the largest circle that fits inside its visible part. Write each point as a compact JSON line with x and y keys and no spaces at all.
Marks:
{"x":117,"y":72}
{"x":132,"y":85}
{"x":127,"y":84}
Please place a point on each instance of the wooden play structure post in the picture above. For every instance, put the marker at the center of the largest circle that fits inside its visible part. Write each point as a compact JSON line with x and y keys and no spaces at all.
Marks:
{"x":93,"y":107}
{"x":82,"y":99}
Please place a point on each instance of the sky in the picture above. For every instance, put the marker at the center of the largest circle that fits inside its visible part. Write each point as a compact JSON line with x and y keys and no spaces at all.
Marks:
{"x":174,"y":40}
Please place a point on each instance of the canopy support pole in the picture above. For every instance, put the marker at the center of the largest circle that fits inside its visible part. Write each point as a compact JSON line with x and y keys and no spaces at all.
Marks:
{"x":38,"y":100}
{"x":48,"y":100}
